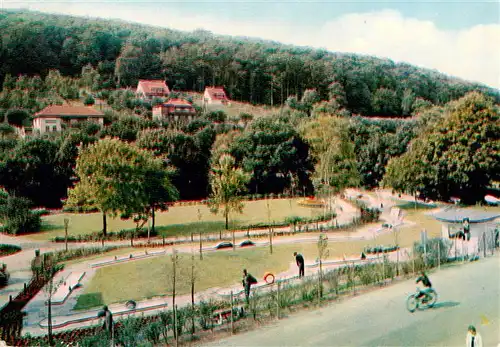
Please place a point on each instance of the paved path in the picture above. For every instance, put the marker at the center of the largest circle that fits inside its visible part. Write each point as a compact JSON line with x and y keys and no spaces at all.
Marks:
{"x":468,"y":294}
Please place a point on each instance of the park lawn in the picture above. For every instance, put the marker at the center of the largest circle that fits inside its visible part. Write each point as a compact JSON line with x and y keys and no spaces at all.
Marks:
{"x":148,"y":278}
{"x":253,"y":212}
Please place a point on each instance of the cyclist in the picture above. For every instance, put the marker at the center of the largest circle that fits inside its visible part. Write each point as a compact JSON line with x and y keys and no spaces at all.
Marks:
{"x":427,"y":284}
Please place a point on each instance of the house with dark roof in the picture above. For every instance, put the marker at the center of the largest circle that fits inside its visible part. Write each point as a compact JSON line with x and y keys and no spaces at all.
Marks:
{"x":215,"y":96}
{"x":175,"y":111}
{"x":56,"y":117}
{"x":149,"y":89}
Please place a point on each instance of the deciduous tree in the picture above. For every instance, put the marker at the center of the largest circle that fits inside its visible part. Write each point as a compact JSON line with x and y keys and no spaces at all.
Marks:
{"x":227,"y":182}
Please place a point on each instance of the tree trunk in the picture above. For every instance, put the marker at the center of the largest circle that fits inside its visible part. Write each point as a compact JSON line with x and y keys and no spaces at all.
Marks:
{"x":227,"y":220}
{"x":152,"y":219}
{"x":192,"y":299}
{"x":104,"y":224}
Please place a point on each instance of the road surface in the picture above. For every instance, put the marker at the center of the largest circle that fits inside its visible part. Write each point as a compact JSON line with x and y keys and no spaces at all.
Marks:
{"x":468,"y":294}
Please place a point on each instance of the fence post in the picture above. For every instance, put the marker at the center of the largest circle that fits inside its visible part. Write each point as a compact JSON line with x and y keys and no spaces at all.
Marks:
{"x":176,"y":335}
{"x":232,"y":318}
{"x":413,"y":262}
{"x":439,"y":254}
{"x":353,"y":280}
{"x":484,"y":244}
{"x":201,"y":252}
{"x":278,"y":302}
{"x":383,"y":269}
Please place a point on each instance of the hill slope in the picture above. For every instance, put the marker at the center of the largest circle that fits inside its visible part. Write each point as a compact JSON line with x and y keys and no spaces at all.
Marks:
{"x":251,"y":70}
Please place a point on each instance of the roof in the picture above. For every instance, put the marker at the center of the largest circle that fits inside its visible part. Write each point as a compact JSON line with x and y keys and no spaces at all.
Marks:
{"x":213,"y":91}
{"x":457,"y":215}
{"x":147,"y":85}
{"x":177,"y":102}
{"x":75,"y":111}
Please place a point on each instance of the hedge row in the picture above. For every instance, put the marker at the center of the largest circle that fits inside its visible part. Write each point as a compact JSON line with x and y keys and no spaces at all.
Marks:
{"x":126,"y":234}
{"x":70,"y":254}
{"x":380,"y":249}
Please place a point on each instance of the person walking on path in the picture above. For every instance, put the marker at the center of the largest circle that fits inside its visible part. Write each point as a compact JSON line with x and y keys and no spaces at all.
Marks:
{"x":300,"y":263}
{"x":108,"y":320}
{"x":247,"y":282}
{"x":473,"y":338}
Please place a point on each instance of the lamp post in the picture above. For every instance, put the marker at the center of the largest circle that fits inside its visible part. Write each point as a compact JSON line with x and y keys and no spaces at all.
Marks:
{"x":66,"y":224}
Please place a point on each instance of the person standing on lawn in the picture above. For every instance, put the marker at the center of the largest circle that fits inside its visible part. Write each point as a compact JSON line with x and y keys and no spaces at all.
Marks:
{"x":300,"y":263}
{"x":247,"y":282}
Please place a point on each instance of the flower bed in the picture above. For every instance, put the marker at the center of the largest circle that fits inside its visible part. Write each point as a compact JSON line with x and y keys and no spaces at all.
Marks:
{"x":311,"y":202}
{"x":380,"y":249}
{"x":6,"y":249}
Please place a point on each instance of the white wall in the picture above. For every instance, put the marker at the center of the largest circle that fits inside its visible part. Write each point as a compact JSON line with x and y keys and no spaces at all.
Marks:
{"x":41,"y":123}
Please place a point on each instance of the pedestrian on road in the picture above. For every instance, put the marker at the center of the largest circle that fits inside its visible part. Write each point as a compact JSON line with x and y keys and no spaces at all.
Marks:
{"x":300,"y":263}
{"x":247,"y":282}
{"x":473,"y":338}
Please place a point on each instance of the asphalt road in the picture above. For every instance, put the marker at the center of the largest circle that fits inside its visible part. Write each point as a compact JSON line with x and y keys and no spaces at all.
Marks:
{"x":468,"y":294}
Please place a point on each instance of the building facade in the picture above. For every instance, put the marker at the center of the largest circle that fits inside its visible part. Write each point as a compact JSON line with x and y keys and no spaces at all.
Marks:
{"x":176,"y":112}
{"x":55,"y":118}
{"x":215,"y":96}
{"x":149,"y":89}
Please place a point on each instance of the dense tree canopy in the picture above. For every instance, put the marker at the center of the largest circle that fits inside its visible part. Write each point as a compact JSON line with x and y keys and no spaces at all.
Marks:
{"x":459,"y":156}
{"x":272,"y":149}
{"x":120,"y":178}
{"x":333,"y":152}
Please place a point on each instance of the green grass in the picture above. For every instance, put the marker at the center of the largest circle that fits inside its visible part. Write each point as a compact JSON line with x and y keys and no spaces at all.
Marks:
{"x":180,"y":219}
{"x":408,"y":205}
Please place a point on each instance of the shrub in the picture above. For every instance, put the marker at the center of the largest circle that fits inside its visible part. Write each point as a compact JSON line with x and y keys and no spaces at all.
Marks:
{"x":89,"y":100}
{"x":431,"y":249}
{"x":60,"y":256}
{"x":6,"y":249}
{"x":17,"y":117}
{"x":17,"y":217}
{"x":152,"y":332}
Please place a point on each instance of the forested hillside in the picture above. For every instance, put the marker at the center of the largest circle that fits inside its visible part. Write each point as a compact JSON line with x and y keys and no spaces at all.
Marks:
{"x":251,"y":70}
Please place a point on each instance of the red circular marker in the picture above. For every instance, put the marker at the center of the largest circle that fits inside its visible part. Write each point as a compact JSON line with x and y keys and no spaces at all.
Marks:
{"x":269,"y":278}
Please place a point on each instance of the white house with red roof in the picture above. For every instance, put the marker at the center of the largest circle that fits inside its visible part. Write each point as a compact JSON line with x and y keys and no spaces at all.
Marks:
{"x":215,"y":96}
{"x":175,"y":112}
{"x":149,"y":89}
{"x":56,"y":117}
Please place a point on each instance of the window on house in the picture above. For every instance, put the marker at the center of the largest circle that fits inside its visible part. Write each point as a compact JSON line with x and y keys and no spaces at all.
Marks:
{"x":47,"y":128}
{"x":54,"y":128}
